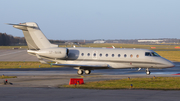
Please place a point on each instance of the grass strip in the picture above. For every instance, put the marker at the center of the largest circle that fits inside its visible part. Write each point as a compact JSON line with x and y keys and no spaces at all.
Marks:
{"x":170,"y":55}
{"x":6,"y":77}
{"x":13,"y":47}
{"x":158,"y":83}
{"x":21,"y":64}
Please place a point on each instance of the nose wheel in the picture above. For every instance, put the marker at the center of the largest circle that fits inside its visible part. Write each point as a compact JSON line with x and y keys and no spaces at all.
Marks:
{"x":148,"y":72}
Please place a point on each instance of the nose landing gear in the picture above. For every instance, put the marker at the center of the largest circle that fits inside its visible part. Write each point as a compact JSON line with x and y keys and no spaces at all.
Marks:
{"x":148,"y":72}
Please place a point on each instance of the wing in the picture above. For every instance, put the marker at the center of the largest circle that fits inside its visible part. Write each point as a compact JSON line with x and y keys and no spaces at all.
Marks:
{"x":84,"y":66}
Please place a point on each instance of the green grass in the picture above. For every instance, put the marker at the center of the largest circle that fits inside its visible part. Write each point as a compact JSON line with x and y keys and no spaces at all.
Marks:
{"x":170,"y":55}
{"x":118,"y":45}
{"x":6,"y":77}
{"x":11,"y":47}
{"x":158,"y":83}
{"x":8,"y":65}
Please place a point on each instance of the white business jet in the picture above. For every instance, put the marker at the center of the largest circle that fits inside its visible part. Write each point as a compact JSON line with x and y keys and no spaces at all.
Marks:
{"x":87,"y":59}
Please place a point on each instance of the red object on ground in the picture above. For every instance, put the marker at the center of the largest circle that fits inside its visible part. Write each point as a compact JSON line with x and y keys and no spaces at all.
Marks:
{"x":176,"y":74}
{"x":177,"y":47}
{"x":153,"y":47}
{"x":76,"y":81}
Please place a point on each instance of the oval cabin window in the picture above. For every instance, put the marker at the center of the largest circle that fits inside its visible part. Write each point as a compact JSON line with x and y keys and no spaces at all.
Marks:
{"x":88,"y":54}
{"x":82,"y":54}
{"x":94,"y":54}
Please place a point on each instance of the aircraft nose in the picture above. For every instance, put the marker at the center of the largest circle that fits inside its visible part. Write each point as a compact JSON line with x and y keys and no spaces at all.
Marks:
{"x":170,"y":64}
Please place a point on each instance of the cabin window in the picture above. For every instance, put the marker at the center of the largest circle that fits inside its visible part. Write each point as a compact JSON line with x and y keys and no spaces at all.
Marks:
{"x":137,"y":56}
{"x":131,"y":55}
{"x":106,"y":55}
{"x":82,"y":54}
{"x":100,"y":55}
{"x":88,"y":54}
{"x":147,"y":54}
{"x":125,"y":55}
{"x":94,"y":54}
{"x":119,"y":55}
{"x":155,"y":54}
{"x":112,"y":55}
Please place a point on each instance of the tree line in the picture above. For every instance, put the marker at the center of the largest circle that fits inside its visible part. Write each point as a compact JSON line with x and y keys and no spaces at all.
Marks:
{"x":9,"y":40}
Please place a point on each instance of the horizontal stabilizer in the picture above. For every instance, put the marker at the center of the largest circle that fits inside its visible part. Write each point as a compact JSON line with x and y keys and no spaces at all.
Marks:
{"x":21,"y":25}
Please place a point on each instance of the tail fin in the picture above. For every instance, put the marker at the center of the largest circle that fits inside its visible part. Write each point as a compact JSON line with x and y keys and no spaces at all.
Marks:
{"x":35,"y":39}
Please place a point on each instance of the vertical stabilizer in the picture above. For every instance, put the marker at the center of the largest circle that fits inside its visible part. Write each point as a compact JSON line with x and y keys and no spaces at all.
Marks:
{"x":35,"y":39}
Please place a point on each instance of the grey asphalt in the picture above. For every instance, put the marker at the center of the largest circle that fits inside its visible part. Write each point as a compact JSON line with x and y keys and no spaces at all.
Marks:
{"x":16,"y":55}
{"x":42,"y":84}
{"x":65,"y":94}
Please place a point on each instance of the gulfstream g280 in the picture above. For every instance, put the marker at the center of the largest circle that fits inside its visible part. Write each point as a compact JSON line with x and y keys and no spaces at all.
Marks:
{"x":87,"y":59}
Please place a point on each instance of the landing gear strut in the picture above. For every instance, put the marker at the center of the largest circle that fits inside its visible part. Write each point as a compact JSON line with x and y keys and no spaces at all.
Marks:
{"x":148,"y":72}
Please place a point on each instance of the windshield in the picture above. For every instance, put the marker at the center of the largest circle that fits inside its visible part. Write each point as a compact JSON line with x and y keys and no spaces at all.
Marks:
{"x":155,"y":54}
{"x":147,"y":54}
{"x":152,"y":54}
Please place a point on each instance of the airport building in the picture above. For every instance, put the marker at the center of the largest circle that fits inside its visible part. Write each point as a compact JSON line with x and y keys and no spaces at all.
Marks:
{"x":151,"y":41}
{"x":99,"y":41}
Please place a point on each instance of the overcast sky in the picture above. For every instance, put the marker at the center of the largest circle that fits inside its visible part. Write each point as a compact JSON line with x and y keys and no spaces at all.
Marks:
{"x":94,"y":19}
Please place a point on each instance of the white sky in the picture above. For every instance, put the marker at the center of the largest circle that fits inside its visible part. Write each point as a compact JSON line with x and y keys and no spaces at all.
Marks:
{"x":94,"y":19}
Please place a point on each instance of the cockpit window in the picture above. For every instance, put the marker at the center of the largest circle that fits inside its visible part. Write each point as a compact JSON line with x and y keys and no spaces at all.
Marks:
{"x":147,"y":54}
{"x":151,"y":54}
{"x":155,"y":54}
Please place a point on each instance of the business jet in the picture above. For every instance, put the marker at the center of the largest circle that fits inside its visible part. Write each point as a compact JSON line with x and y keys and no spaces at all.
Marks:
{"x":88,"y":59}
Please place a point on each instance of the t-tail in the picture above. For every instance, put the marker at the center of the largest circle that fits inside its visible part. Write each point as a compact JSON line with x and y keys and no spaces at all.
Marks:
{"x":35,"y":39}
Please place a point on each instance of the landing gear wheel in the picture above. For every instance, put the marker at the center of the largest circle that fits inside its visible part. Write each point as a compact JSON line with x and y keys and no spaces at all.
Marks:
{"x":80,"y":72}
{"x":87,"y":72}
{"x":148,"y":72}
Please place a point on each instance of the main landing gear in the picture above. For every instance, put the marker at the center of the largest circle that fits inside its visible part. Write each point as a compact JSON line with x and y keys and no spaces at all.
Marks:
{"x":148,"y":72}
{"x":80,"y":72}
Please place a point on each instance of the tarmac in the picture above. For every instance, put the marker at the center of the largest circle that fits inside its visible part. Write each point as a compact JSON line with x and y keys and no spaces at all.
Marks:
{"x":44,"y":84}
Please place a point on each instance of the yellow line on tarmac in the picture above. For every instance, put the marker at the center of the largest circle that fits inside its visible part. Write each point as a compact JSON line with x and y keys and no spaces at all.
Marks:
{"x":81,"y":76}
{"x":87,"y":76}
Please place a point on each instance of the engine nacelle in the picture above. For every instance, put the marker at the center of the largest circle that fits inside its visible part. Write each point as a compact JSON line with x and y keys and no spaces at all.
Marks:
{"x":57,"y":53}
